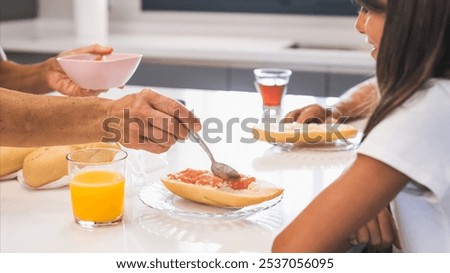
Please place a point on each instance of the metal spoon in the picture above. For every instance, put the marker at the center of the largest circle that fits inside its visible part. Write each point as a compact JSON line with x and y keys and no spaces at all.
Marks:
{"x":219,"y":169}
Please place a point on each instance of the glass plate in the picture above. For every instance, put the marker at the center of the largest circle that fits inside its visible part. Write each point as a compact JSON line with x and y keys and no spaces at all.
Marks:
{"x":335,"y":146}
{"x":156,"y":196}
{"x":329,"y":146}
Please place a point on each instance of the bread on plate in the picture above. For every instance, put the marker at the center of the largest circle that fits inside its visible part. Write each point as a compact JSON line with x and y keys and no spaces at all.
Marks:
{"x":202,"y":186}
{"x":303,"y":133}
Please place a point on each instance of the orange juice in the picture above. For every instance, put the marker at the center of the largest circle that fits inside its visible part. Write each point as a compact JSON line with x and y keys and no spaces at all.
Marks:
{"x":97,"y":196}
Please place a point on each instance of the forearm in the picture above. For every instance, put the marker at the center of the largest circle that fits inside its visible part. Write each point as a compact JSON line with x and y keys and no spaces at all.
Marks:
{"x":36,"y":120}
{"x":25,"y":78}
{"x":342,"y":208}
{"x":358,"y":102}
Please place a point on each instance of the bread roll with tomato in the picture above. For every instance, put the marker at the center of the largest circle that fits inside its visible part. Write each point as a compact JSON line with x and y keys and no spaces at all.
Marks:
{"x":11,"y":159}
{"x":203,"y":187}
{"x":303,"y":133}
{"x":48,"y":164}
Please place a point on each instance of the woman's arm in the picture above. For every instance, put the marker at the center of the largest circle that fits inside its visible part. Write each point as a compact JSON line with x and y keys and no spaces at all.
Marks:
{"x":37,"y":120}
{"x":341,"y":209}
{"x":145,"y":120}
{"x":47,"y":76}
{"x":24,"y":78}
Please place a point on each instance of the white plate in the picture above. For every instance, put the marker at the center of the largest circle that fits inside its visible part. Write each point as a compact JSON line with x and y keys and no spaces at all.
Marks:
{"x":156,"y":196}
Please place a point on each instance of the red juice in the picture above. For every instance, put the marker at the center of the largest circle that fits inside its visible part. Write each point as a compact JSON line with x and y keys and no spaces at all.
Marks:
{"x":272,"y":91}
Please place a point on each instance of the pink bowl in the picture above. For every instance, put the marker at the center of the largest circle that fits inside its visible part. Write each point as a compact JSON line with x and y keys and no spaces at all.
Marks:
{"x":114,"y":70}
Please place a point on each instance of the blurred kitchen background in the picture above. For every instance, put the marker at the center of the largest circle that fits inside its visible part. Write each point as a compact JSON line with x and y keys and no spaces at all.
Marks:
{"x":207,"y":44}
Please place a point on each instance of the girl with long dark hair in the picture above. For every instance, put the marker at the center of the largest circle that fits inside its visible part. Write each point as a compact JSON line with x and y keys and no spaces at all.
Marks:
{"x":404,"y":159}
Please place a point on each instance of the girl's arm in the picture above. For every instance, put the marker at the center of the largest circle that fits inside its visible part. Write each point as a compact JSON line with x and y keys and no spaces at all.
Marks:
{"x":358,"y":102}
{"x":341,"y":209}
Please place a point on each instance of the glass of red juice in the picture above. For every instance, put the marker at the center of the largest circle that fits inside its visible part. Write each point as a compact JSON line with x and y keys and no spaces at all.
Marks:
{"x":272,"y":83}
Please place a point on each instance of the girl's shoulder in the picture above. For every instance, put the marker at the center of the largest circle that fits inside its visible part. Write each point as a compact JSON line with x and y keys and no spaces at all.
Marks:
{"x":434,"y":93}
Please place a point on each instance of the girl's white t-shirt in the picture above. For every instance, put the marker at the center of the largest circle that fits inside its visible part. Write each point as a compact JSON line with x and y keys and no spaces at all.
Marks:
{"x":415,"y":140}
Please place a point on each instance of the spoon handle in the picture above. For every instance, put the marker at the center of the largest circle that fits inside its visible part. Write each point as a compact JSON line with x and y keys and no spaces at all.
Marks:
{"x":202,"y":143}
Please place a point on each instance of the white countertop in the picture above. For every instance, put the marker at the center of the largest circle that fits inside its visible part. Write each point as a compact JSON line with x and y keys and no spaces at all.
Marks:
{"x":167,"y":46}
{"x":42,"y":221}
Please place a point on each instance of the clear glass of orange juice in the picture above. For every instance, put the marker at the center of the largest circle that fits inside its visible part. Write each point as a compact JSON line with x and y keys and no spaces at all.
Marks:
{"x":272,"y":84}
{"x":97,"y":186}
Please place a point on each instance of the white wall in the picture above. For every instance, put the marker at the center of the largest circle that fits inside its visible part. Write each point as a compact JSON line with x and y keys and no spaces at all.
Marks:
{"x":309,"y":31}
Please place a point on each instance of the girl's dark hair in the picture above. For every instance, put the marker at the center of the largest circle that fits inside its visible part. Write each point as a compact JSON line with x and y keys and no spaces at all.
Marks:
{"x":373,"y":5}
{"x":414,"y":48}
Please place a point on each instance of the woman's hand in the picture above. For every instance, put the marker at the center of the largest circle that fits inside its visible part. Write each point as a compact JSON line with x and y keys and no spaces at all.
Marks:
{"x":149,"y":121}
{"x":56,"y":78}
{"x":145,"y":120}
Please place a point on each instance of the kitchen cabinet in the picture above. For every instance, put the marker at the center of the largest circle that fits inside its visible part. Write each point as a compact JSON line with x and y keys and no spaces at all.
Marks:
{"x":153,"y":73}
{"x":18,"y":9}
{"x":301,"y":82}
{"x":27,"y":58}
{"x":338,"y":82}
{"x":241,"y":79}
{"x":180,"y":76}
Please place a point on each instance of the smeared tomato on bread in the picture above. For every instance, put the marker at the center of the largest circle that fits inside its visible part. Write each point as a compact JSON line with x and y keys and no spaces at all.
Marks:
{"x":204,"y":187}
